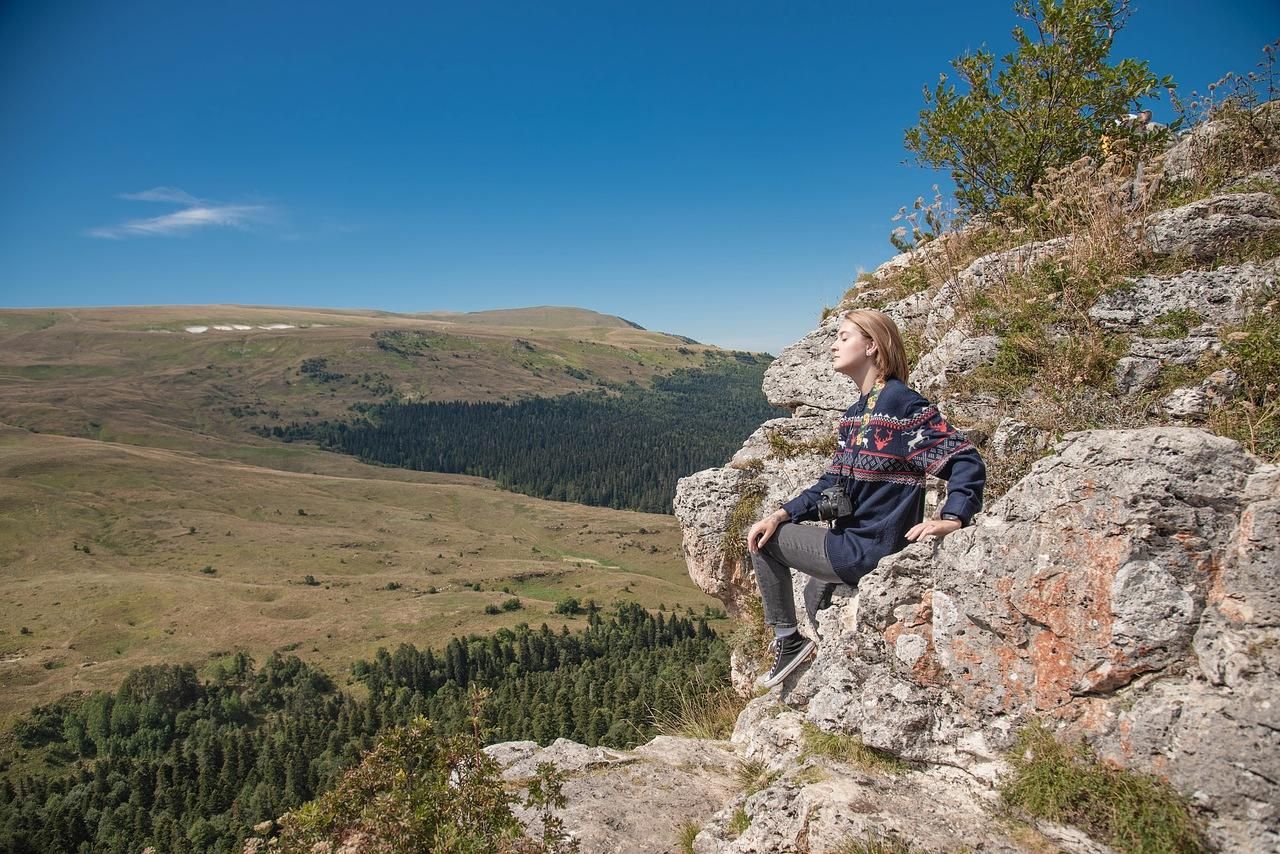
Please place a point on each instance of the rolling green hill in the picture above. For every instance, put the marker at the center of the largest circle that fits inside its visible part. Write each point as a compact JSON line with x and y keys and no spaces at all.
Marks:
{"x":143,"y":522}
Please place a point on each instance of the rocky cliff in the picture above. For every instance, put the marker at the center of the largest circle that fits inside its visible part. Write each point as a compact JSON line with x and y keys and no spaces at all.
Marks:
{"x":1122,"y":594}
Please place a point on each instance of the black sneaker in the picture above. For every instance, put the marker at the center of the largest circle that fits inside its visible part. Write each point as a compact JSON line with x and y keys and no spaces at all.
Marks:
{"x":789,"y":653}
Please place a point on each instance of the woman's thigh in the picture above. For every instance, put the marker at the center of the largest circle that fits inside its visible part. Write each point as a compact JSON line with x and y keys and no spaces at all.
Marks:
{"x":803,"y":548}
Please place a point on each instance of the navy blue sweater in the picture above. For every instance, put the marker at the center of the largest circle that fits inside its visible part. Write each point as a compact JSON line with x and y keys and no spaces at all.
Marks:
{"x":905,"y":439}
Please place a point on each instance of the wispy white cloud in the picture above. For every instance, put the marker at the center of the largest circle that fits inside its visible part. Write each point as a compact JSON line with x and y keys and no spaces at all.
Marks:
{"x":195,"y":214}
{"x":162,"y":194}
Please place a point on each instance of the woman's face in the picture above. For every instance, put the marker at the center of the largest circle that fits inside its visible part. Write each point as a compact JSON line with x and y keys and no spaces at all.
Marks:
{"x":852,"y":349}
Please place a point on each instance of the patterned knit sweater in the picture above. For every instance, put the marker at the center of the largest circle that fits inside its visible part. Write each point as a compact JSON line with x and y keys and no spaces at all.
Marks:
{"x":904,"y":439}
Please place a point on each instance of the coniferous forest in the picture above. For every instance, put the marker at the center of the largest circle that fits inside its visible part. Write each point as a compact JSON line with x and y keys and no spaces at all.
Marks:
{"x":624,"y":450}
{"x":183,"y":763}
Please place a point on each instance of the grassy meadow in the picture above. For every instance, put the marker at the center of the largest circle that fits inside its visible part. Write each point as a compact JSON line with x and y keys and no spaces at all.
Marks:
{"x":141,"y":522}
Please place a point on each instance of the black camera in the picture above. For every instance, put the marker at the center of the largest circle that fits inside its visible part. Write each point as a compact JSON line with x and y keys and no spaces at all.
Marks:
{"x":834,"y":503}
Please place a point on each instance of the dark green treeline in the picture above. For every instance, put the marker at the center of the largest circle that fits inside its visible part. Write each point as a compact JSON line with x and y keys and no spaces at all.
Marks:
{"x":188,"y":764}
{"x":624,"y":451}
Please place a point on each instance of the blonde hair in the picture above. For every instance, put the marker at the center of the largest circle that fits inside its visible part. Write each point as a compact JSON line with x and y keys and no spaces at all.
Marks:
{"x":891,"y":356}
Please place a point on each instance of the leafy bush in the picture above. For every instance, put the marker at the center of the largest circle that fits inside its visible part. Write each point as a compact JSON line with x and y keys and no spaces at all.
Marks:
{"x":569,"y":606}
{"x":1050,"y":103}
{"x":413,"y":792}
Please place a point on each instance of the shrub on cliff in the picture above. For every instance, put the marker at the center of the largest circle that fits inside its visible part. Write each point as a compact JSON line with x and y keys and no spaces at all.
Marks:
{"x":418,"y":791}
{"x":1053,"y":100}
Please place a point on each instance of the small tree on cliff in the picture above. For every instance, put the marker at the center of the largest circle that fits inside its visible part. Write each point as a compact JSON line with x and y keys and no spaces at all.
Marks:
{"x":1051,"y":102}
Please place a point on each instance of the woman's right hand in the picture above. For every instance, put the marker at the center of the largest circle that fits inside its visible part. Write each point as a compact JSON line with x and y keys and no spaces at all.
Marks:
{"x":761,"y":532}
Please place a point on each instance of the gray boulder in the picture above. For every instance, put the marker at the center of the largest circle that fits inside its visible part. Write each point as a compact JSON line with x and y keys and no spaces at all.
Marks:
{"x":703,"y":504}
{"x":955,"y":355}
{"x":1200,"y":229}
{"x":1195,"y":403}
{"x":637,"y":800}
{"x":1220,"y":297}
{"x":1185,"y":159}
{"x":802,"y":375}
{"x":1135,"y":374}
{"x":1177,"y":351}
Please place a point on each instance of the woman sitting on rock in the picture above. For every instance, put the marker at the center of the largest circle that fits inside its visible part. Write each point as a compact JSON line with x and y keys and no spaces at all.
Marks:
{"x":889,"y":440}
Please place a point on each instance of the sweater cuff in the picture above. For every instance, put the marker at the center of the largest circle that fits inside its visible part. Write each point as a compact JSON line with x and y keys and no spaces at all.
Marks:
{"x":957,"y":509}
{"x":797,"y":508}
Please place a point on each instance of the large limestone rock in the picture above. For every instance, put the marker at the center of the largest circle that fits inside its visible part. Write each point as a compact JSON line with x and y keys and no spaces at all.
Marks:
{"x":1177,"y":351}
{"x":1185,"y":159}
{"x":1195,"y":402}
{"x":955,"y":355}
{"x":703,"y":504}
{"x":1126,"y":589}
{"x":1126,"y":592}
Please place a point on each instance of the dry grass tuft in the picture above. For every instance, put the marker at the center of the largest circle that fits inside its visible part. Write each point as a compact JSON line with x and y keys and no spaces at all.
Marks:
{"x":685,"y":835}
{"x":874,"y":843}
{"x":752,"y":638}
{"x":701,"y":711}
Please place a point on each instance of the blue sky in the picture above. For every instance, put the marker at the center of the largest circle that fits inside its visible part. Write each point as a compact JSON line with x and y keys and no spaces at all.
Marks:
{"x":718,"y":170}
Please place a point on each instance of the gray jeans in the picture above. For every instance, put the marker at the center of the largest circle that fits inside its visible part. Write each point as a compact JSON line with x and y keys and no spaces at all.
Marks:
{"x":799,"y":547}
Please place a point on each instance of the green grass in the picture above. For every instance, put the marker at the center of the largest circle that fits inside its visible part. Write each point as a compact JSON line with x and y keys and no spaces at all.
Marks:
{"x":1252,"y":350}
{"x":809,"y":776}
{"x":849,"y":748}
{"x":1130,"y":811}
{"x":1177,"y":323}
{"x":57,"y":372}
{"x":739,"y":823}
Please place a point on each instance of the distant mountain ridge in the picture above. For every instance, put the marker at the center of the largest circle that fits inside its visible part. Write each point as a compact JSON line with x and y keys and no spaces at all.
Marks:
{"x":541,"y":316}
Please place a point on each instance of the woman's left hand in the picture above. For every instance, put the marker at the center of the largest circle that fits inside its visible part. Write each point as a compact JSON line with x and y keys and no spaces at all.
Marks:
{"x":933,"y":528}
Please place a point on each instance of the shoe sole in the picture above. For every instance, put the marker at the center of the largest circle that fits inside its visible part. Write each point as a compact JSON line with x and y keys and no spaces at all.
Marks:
{"x":809,"y":649}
